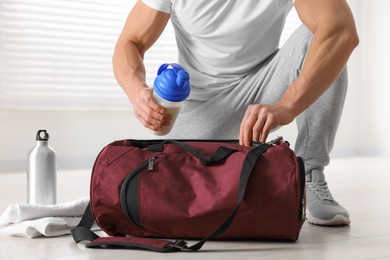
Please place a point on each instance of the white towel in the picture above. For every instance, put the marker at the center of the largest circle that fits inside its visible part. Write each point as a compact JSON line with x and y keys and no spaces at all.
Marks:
{"x":31,"y":220}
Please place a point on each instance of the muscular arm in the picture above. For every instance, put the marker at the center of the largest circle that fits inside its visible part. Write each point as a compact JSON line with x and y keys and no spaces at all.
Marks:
{"x":142,"y":28}
{"x":334,"y":39}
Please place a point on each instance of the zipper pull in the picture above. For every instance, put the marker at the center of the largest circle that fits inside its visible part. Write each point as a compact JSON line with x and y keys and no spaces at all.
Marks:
{"x":151,"y":163}
{"x":276,"y":141}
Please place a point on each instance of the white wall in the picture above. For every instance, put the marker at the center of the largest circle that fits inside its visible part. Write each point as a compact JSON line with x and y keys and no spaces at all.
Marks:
{"x":77,"y":137}
{"x":374,"y":78}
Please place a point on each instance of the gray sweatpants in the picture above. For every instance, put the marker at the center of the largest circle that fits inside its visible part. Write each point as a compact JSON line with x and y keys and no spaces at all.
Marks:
{"x":221,"y":116}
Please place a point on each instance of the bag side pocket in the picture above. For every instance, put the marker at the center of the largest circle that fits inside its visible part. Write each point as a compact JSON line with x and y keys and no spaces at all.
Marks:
{"x":129,"y":193}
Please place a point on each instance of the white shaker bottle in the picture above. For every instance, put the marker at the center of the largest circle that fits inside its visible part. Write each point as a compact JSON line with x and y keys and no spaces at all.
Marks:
{"x":42,"y":172}
{"x":171,"y":88}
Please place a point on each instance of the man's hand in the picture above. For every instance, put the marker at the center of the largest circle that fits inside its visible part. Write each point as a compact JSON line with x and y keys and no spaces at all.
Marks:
{"x":259,"y":120}
{"x":149,"y":112}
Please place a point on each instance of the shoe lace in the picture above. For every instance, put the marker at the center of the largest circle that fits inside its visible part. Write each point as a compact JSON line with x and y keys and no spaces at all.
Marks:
{"x":320,"y":189}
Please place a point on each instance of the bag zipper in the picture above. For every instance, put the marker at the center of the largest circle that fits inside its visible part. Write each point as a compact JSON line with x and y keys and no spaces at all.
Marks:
{"x":151,"y":163}
{"x":276,"y":141}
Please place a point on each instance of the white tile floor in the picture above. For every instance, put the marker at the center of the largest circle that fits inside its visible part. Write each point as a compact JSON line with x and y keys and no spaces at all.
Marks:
{"x":360,"y":184}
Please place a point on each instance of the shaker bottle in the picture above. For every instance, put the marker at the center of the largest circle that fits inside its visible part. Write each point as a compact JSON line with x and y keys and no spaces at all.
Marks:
{"x":171,"y":88}
{"x":42,"y":171}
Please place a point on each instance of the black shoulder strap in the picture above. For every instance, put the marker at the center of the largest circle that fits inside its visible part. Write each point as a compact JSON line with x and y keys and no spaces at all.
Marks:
{"x":221,"y":153}
{"x":83,"y":232}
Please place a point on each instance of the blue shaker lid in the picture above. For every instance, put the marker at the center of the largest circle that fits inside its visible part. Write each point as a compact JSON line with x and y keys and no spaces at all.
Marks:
{"x":172,"y":82}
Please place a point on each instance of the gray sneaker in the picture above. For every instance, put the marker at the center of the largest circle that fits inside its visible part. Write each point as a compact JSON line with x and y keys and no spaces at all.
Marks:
{"x":321,"y":208}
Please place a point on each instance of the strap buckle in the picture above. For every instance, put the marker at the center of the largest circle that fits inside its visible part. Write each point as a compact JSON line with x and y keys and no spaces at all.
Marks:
{"x":178,"y":244}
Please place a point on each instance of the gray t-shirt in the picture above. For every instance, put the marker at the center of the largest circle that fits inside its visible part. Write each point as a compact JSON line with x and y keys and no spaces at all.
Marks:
{"x":220,"y":41}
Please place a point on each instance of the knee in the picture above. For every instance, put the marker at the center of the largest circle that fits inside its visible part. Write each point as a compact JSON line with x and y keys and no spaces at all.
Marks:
{"x":302,"y":36}
{"x":297,"y":45}
{"x":304,"y":32}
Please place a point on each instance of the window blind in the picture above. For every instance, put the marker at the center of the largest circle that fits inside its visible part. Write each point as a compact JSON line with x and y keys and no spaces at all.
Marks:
{"x":57,"y":54}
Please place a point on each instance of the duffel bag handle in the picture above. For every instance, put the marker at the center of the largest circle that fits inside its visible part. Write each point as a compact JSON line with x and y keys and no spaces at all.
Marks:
{"x":83,"y":232}
{"x":221,"y":153}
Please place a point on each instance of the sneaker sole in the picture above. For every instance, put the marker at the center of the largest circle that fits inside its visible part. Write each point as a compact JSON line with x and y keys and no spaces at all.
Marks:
{"x":338,"y":220}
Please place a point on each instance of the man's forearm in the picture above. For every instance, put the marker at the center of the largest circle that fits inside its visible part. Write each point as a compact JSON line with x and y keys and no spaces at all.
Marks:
{"x":326,"y":58}
{"x":129,"y":68}
{"x":142,"y":28}
{"x":334,"y":39}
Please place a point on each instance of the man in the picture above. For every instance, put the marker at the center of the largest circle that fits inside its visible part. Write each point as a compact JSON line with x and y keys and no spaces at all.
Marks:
{"x":242,"y":86}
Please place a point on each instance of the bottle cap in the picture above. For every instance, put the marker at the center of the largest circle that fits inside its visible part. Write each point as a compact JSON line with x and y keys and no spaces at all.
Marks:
{"x":42,"y":135}
{"x":172,"y":82}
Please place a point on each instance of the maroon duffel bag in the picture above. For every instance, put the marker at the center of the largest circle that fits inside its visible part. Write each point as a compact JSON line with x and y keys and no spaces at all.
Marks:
{"x":146,"y":190}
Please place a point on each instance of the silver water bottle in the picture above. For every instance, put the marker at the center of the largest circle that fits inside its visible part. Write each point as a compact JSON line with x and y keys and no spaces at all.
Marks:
{"x":42,"y":172}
